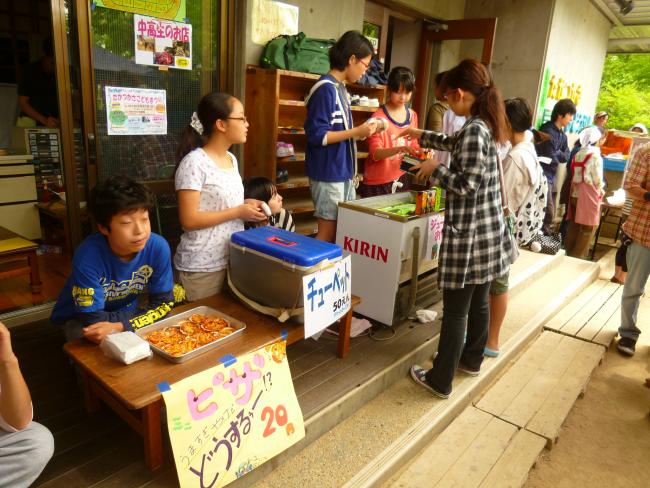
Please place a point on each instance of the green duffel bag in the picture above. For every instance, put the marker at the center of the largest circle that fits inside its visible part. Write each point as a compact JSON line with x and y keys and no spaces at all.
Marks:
{"x":298,"y":53}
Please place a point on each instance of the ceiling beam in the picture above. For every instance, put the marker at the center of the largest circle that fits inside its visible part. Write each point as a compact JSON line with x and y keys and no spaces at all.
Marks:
{"x":607,"y":12}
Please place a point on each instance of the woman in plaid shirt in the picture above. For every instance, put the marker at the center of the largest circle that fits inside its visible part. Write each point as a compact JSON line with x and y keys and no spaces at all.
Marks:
{"x":476,"y":247}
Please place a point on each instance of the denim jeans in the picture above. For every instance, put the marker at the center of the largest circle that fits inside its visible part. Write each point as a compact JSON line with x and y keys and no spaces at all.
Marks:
{"x":638,"y":270}
{"x":458,"y":306}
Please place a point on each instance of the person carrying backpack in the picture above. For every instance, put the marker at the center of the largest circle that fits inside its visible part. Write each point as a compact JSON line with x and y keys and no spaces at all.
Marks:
{"x":526,"y":188}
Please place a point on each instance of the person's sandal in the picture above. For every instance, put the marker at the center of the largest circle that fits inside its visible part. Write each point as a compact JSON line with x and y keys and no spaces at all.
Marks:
{"x":614,"y":279}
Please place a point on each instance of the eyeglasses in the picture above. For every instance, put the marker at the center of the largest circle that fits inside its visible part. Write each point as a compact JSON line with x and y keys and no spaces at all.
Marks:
{"x":239,"y":118}
{"x":365,"y":65}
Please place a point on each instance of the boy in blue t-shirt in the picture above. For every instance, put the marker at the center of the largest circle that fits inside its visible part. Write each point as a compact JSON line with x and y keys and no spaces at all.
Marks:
{"x":113,"y":267}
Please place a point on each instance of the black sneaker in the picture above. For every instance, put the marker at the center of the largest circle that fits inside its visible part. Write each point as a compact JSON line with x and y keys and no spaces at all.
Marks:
{"x":467,"y":370}
{"x":626,"y":345}
{"x":418,"y":374}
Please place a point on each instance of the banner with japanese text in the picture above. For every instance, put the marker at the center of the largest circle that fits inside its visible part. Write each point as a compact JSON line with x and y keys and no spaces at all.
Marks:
{"x":162,"y":42}
{"x":163,"y":9}
{"x":327,"y":295}
{"x":135,"y":111}
{"x":271,"y":19}
{"x":230,"y":419}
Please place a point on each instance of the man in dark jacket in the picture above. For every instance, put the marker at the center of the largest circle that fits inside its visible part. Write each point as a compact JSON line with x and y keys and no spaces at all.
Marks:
{"x":557,"y":150}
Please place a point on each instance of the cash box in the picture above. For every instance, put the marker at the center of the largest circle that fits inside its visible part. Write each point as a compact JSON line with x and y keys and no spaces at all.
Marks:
{"x":267,"y":265}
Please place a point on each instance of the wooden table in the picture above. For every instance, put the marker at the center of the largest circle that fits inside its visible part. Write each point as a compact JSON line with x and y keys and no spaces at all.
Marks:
{"x":131,"y":390}
{"x":18,"y":257}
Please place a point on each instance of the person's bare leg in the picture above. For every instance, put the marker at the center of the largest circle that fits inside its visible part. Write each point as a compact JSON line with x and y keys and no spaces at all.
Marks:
{"x":619,"y":275}
{"x":498,"y":308}
{"x":326,"y":230}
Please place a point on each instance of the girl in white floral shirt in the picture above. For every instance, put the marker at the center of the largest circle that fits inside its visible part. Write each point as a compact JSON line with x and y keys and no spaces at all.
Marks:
{"x":211,"y":203}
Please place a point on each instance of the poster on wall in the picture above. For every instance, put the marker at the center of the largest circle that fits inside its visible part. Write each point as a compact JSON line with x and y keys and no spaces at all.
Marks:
{"x":162,"y":9}
{"x":228,"y":420}
{"x":271,"y":19}
{"x":162,"y":42}
{"x":135,"y":111}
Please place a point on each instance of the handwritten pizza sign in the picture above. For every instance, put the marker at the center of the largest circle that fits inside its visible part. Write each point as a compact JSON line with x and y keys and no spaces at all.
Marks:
{"x":230,"y":419}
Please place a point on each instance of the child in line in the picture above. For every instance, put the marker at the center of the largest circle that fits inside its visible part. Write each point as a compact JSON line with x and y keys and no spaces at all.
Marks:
{"x":331,"y":152}
{"x":382,"y":174}
{"x":263,"y":189}
{"x":113,"y":267}
{"x":211,"y":203}
{"x":587,"y":191}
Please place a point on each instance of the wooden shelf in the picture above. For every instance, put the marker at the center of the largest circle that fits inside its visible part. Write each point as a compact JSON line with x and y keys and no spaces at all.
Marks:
{"x":299,"y":103}
{"x":291,"y":103}
{"x":275,"y":100}
{"x":288,"y":132}
{"x":294,"y":182}
{"x":299,"y":206}
{"x":297,"y":157}
{"x":358,"y":108}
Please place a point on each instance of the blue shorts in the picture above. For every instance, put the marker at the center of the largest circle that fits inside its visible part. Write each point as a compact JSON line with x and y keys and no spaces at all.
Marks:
{"x":327,"y":195}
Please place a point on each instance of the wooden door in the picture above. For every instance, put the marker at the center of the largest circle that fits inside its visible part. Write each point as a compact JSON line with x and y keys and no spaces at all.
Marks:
{"x":470,"y":29}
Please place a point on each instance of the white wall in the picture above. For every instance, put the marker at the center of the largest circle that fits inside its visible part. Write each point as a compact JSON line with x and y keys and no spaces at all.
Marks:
{"x":577,"y":47}
{"x":519,"y":46}
{"x":438,"y":9}
{"x":406,"y":43}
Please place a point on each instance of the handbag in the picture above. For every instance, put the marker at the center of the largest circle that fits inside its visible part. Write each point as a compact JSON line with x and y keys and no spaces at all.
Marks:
{"x":508,"y":216}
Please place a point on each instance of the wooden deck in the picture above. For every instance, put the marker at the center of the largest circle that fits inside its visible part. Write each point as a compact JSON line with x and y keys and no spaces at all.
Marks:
{"x":100,"y":450}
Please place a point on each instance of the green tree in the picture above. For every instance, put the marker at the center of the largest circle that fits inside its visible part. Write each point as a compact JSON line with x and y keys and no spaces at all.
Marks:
{"x":625,"y":90}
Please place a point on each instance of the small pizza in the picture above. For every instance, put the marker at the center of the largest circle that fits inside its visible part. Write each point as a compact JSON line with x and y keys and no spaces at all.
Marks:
{"x":187,"y":335}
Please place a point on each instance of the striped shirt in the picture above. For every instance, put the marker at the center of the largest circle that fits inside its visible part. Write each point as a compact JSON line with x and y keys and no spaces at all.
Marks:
{"x":637,"y":225}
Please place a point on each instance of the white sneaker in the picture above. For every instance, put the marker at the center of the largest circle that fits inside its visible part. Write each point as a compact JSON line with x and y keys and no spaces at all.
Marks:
{"x":373,"y":102}
{"x":364,"y":102}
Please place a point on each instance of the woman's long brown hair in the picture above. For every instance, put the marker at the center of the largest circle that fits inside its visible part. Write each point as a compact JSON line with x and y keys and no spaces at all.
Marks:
{"x":472,"y":76}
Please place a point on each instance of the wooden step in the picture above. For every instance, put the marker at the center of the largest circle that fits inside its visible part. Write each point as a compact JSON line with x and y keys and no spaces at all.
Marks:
{"x":594,"y":316}
{"x":476,"y":450}
{"x":538,"y":392}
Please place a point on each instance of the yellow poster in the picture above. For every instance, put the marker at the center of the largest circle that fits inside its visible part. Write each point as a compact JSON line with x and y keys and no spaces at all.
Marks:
{"x":162,"y":9}
{"x":230,"y":419}
{"x":271,"y":19}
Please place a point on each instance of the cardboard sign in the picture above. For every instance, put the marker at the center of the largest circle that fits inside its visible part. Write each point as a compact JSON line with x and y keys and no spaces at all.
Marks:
{"x":132,"y":111}
{"x":163,"y":9}
{"x":162,"y":43}
{"x":327,"y":296}
{"x":230,"y":419}
{"x":434,"y":234}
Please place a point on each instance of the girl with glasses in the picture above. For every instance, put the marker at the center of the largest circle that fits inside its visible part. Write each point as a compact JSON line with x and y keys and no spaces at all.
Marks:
{"x":210,"y":193}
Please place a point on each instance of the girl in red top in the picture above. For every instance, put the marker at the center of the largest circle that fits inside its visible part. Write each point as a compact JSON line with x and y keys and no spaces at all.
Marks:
{"x":385,"y":151}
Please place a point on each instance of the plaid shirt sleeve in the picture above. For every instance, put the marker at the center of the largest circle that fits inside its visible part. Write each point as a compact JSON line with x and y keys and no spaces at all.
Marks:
{"x":637,"y":225}
{"x":469,"y":156}
{"x":438,"y":140}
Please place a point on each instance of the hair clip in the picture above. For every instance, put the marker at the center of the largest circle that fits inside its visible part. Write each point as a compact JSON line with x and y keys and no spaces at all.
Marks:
{"x":196,"y":124}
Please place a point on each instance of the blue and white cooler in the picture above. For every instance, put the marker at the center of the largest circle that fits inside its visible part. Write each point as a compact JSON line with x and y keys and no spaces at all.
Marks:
{"x":267,"y":265}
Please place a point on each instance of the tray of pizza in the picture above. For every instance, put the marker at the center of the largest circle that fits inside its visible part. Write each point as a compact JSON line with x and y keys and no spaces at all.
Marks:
{"x":188,"y":334}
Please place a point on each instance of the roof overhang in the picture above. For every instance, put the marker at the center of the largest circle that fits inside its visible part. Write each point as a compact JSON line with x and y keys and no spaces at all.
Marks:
{"x":630,"y":32}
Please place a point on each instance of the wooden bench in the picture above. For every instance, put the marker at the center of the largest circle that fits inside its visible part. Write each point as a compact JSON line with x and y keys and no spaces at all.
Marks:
{"x":18,"y":257}
{"x":131,"y":390}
